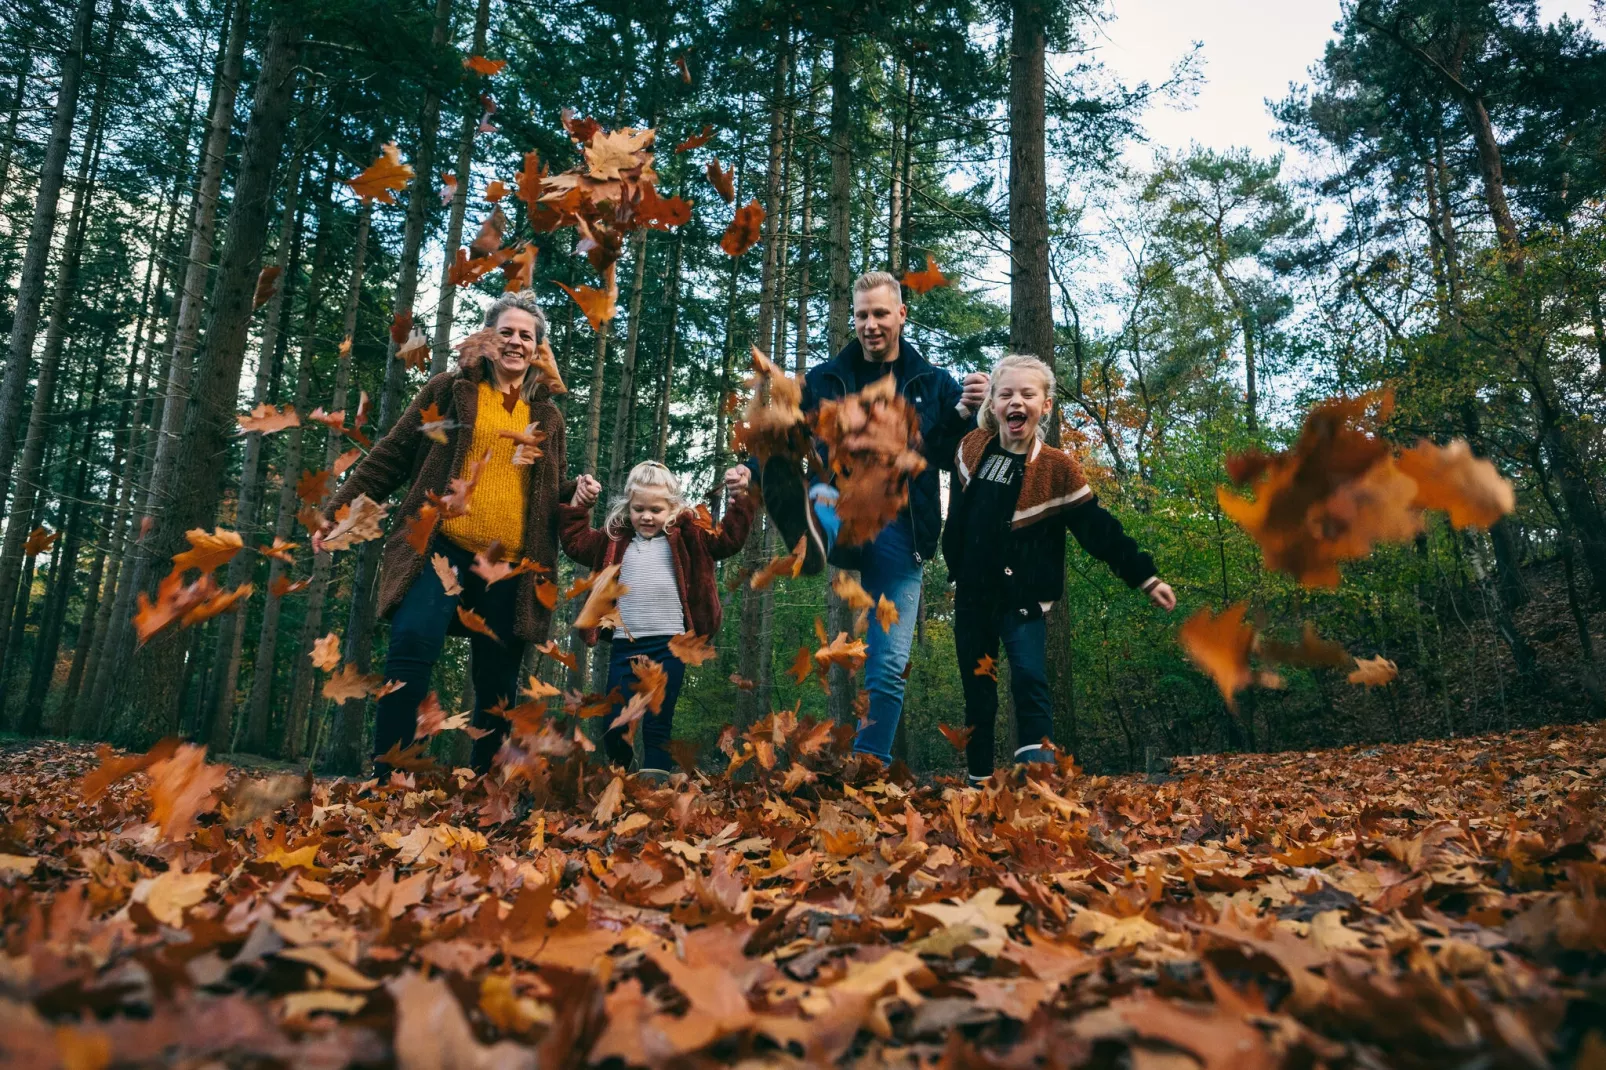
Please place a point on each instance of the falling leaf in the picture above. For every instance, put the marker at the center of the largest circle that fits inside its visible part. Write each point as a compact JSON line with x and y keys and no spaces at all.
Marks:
{"x":1220,"y":645}
{"x":414,"y":351}
{"x":476,"y":623}
{"x":386,"y":174}
{"x":986,"y":666}
{"x":481,"y":65}
{"x":958,"y":738}
{"x":448,"y":189}
{"x":279,"y":551}
{"x":518,"y":272}
{"x":790,"y":565}
{"x":284,"y":585}
{"x":401,"y":325}
{"x":421,"y":528}
{"x":490,"y":568}
{"x":183,"y":787}
{"x":652,"y":681}
{"x":598,"y":305}
{"x":267,"y":419}
{"x":920,"y":282}
{"x":552,"y":650}
{"x":39,"y":541}
{"x":1450,"y":478}
{"x":723,"y":181}
{"x":325,"y":652}
{"x":431,"y":424}
{"x":466,"y":270}
{"x":1373,"y":672}
{"x":601,"y":609}
{"x":495,"y":190}
{"x":358,"y":521}
{"x":350,"y":685}
{"x":267,"y":286}
{"x":692,"y":649}
{"x":741,"y":683}
{"x":448,"y":575}
{"x":870,"y":437}
{"x":313,"y":487}
{"x":802,"y":665}
{"x":745,"y":230}
{"x":208,"y":550}
{"x":841,"y":652}
{"x":849,"y":590}
{"x":545,"y":366}
{"x":886,"y":613}
{"x":1310,"y":652}
{"x":773,"y":421}
{"x":685,"y":71}
{"x":536,"y":689}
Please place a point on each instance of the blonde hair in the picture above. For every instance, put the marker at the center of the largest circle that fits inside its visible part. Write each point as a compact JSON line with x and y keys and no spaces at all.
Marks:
{"x":648,"y":475}
{"x":985,"y":417}
{"x":871,"y":280}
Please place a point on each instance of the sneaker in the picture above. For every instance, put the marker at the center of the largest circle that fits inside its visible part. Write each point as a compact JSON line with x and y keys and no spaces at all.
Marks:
{"x":786,"y":499}
{"x":1034,"y":754}
{"x":655,"y":777}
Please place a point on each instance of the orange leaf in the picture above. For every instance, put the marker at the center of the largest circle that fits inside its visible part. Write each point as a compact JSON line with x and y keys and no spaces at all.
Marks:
{"x":431,"y":424}
{"x":602,"y":603}
{"x":284,"y":585}
{"x":115,"y":767}
{"x":697,"y":141}
{"x":481,"y":65}
{"x":745,"y":230}
{"x":422,"y":528}
{"x":519,"y":271}
{"x":447,"y":573}
{"x":349,"y":685}
{"x":1373,"y":672}
{"x":1450,"y":478}
{"x":476,"y":623}
{"x":599,"y":305}
{"x":692,"y":649}
{"x":987,"y":666}
{"x":842,"y":652}
{"x":546,"y":592}
{"x":267,"y":286}
{"x":552,"y":650}
{"x":39,"y":540}
{"x":495,"y":190}
{"x":413,"y":351}
{"x":956,"y":737}
{"x":325,"y":652}
{"x":279,"y":551}
{"x":849,"y":590}
{"x":870,"y":437}
{"x":380,"y":178}
{"x":401,"y":325}
{"x":790,"y":565}
{"x":724,"y":181}
{"x":886,"y":614}
{"x":741,"y":682}
{"x":652,"y":681}
{"x":685,"y":71}
{"x":208,"y":551}
{"x":1220,"y":646}
{"x":182,"y":787}
{"x":545,"y":366}
{"x":346,"y":460}
{"x":268,"y":419}
{"x":465,"y":270}
{"x":802,"y":665}
{"x":313,"y":486}
{"x":922,"y":281}
{"x":489,"y":239}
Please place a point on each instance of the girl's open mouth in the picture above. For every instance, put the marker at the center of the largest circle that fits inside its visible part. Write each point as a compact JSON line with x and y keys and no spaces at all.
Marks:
{"x":1016,"y":421}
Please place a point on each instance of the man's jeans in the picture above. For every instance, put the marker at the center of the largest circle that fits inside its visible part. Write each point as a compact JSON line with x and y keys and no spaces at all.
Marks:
{"x":889,"y":569}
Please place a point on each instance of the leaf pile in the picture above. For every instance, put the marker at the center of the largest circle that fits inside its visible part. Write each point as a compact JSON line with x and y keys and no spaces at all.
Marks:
{"x":1429,"y":904}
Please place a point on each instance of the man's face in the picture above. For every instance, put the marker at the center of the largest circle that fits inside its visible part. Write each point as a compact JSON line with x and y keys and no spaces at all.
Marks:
{"x":878,"y":317}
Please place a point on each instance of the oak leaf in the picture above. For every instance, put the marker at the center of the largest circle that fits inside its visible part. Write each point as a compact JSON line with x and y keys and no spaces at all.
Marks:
{"x":421,"y":528}
{"x":208,"y":550}
{"x":746,"y":229}
{"x":39,"y":541}
{"x":268,"y":418}
{"x":601,"y":609}
{"x":280,"y":550}
{"x":651,"y":681}
{"x":481,"y":65}
{"x":313,"y":487}
{"x":350,"y":685}
{"x":545,"y":366}
{"x":267,"y":286}
{"x":528,"y":448}
{"x":697,"y":141}
{"x":1450,"y":478}
{"x":358,"y":521}
{"x":431,"y":424}
{"x":1373,"y":672}
{"x":723,"y":181}
{"x":790,"y":565}
{"x":447,"y":572}
{"x":413,"y":351}
{"x":599,"y":305}
{"x":886,"y":613}
{"x":692,"y":649}
{"x":850,"y":591}
{"x":552,"y":650}
{"x":1220,"y":644}
{"x":957,"y":738}
{"x":386,"y":174}
{"x":182,"y":787}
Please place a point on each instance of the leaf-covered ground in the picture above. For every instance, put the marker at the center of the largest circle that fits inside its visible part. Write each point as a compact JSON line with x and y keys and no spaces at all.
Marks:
{"x":1428,"y":904}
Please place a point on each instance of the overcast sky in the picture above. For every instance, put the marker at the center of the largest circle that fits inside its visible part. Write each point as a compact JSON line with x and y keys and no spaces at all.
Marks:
{"x":1252,"y":50}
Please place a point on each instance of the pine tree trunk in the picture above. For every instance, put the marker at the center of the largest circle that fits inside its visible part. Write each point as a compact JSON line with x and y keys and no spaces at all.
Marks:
{"x":350,"y":723}
{"x":901,"y":79}
{"x":445,"y":306}
{"x":264,"y":657}
{"x":619,"y":455}
{"x":800,"y":348}
{"x":839,"y":212}
{"x":31,"y":280}
{"x":18,"y":96}
{"x":63,"y":301}
{"x":302,"y":679}
{"x":231,"y":626}
{"x":192,"y":485}
{"x":666,"y":392}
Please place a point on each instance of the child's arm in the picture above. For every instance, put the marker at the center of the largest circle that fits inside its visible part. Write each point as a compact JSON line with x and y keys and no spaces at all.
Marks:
{"x":582,"y":542}
{"x":731,"y":535}
{"x":1103,"y":536}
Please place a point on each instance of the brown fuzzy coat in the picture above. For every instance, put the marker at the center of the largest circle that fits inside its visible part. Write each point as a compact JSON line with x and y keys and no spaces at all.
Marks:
{"x":406,"y":455}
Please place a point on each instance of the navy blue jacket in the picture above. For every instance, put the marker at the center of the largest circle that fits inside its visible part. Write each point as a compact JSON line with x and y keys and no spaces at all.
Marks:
{"x":934,"y":395}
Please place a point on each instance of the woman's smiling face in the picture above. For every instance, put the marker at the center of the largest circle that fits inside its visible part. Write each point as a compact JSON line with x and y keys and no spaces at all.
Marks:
{"x":515,"y":328}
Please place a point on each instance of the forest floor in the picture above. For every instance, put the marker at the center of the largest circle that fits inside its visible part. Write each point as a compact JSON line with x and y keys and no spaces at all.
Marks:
{"x":1427,"y":904}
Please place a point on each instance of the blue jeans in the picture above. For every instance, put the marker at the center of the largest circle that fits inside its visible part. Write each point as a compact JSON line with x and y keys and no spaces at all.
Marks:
{"x":656,"y":728}
{"x":979,"y":629}
{"x":418,"y":631}
{"x":889,"y":568}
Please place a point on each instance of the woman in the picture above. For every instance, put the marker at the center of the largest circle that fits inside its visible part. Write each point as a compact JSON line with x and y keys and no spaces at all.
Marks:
{"x":514,"y":505}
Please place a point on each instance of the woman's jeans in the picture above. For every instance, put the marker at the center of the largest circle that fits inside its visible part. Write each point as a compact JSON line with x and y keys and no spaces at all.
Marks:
{"x":978,"y":631}
{"x":418,"y":631}
{"x":656,"y":728}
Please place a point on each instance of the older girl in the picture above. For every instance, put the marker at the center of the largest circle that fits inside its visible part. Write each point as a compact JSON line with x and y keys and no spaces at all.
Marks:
{"x":667,"y":562}
{"x":1013,"y":500}
{"x":515,"y":505}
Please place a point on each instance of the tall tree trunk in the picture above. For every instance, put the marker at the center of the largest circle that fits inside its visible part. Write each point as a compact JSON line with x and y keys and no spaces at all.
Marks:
{"x":193,"y":483}
{"x":672,"y":300}
{"x":18,"y":96}
{"x":350,"y":725}
{"x":839,"y":212}
{"x":902,"y":78}
{"x":264,"y":659}
{"x":447,"y":303}
{"x":301,"y":680}
{"x":31,"y":281}
{"x":619,"y":455}
{"x":231,"y":626}
{"x":63,"y":301}
{"x":800,"y":348}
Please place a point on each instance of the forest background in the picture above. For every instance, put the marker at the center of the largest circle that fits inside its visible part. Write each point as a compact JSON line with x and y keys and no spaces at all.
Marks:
{"x":1443,"y":237}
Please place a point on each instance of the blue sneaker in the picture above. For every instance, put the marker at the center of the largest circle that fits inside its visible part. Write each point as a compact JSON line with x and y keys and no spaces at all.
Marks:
{"x":1035,"y":753}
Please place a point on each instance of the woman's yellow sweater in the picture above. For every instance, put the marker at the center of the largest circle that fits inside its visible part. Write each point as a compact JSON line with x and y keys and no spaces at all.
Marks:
{"x":496,"y":508}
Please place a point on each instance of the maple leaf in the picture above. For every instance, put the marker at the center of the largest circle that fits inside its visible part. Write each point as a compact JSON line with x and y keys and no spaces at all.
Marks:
{"x":723,"y":181}
{"x":1373,"y":672}
{"x":208,"y":550}
{"x":182,"y":787}
{"x":431,"y":424}
{"x":697,"y":141}
{"x":790,"y":565}
{"x":850,"y":591}
{"x":460,"y":489}
{"x":267,"y":419}
{"x":386,"y":174}
{"x":802,"y":665}
{"x":267,"y":286}
{"x":745,"y":230}
{"x":552,"y":650}
{"x":957,"y":738}
{"x":476,"y":623}
{"x":920,"y":282}
{"x":39,"y":541}
{"x":356,"y":522}
{"x":886,"y":613}
{"x":598,"y":305}
{"x":279,"y":551}
{"x":986,"y":666}
{"x":692,"y":649}
{"x":421,"y":529}
{"x":1220,"y":645}
{"x":325,"y":652}
{"x":601,"y":609}
{"x":518,"y":273}
{"x":350,"y":685}
{"x":481,"y":65}
{"x":401,"y":325}
{"x":313,"y":487}
{"x":447,"y":572}
{"x":495,"y":190}
{"x":413,"y":351}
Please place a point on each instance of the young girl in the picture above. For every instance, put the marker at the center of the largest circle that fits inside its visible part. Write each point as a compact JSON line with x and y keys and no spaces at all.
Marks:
{"x":1010,"y":506}
{"x":668,"y":563}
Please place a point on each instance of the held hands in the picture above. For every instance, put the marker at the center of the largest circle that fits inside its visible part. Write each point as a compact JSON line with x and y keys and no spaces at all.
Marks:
{"x":974,"y":391}
{"x":586,"y":492}
{"x":1163,"y":596}
{"x":737,"y":477}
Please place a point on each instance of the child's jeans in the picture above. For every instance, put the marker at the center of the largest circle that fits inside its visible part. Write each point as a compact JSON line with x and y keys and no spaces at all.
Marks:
{"x":979,"y":630}
{"x":655,"y":728}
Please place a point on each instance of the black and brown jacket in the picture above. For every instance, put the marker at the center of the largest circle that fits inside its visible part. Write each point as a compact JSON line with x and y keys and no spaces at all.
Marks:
{"x":1054,"y":498}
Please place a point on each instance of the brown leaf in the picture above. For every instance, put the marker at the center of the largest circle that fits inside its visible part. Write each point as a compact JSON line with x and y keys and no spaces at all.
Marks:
{"x":1373,"y":672}
{"x":448,"y":575}
{"x":349,"y":685}
{"x":486,"y":67}
{"x":268,"y":418}
{"x":421,"y":528}
{"x":886,"y":613}
{"x":545,"y":366}
{"x":267,"y":286}
{"x":1220,"y":645}
{"x":552,"y":650}
{"x":39,"y":541}
{"x":870,"y":437}
{"x":476,"y":623}
{"x":599,"y":305}
{"x":208,"y":551}
{"x":386,"y":174}
{"x":746,"y":229}
{"x":692,"y":649}
{"x":723,"y":181}
{"x":325,"y":652}
{"x":356,"y":522}
{"x":802,"y":665}
{"x":697,"y":141}
{"x":183,"y":787}
{"x":313,"y":487}
{"x":849,"y":590}
{"x":957,"y":737}
{"x":601,"y":609}
{"x":1450,"y":478}
{"x":279,"y":551}
{"x":790,"y":565}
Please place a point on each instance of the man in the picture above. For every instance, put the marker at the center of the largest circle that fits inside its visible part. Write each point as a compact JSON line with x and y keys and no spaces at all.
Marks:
{"x":890,"y":564}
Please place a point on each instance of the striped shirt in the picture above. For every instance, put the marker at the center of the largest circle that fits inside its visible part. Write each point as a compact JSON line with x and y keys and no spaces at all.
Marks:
{"x":652,"y":606}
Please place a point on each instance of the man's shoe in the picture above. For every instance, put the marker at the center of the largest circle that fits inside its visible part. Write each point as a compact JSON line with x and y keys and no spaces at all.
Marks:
{"x":786,"y":499}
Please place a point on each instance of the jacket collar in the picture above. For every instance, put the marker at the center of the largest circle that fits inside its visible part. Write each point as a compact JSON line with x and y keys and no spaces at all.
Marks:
{"x":914,"y":363}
